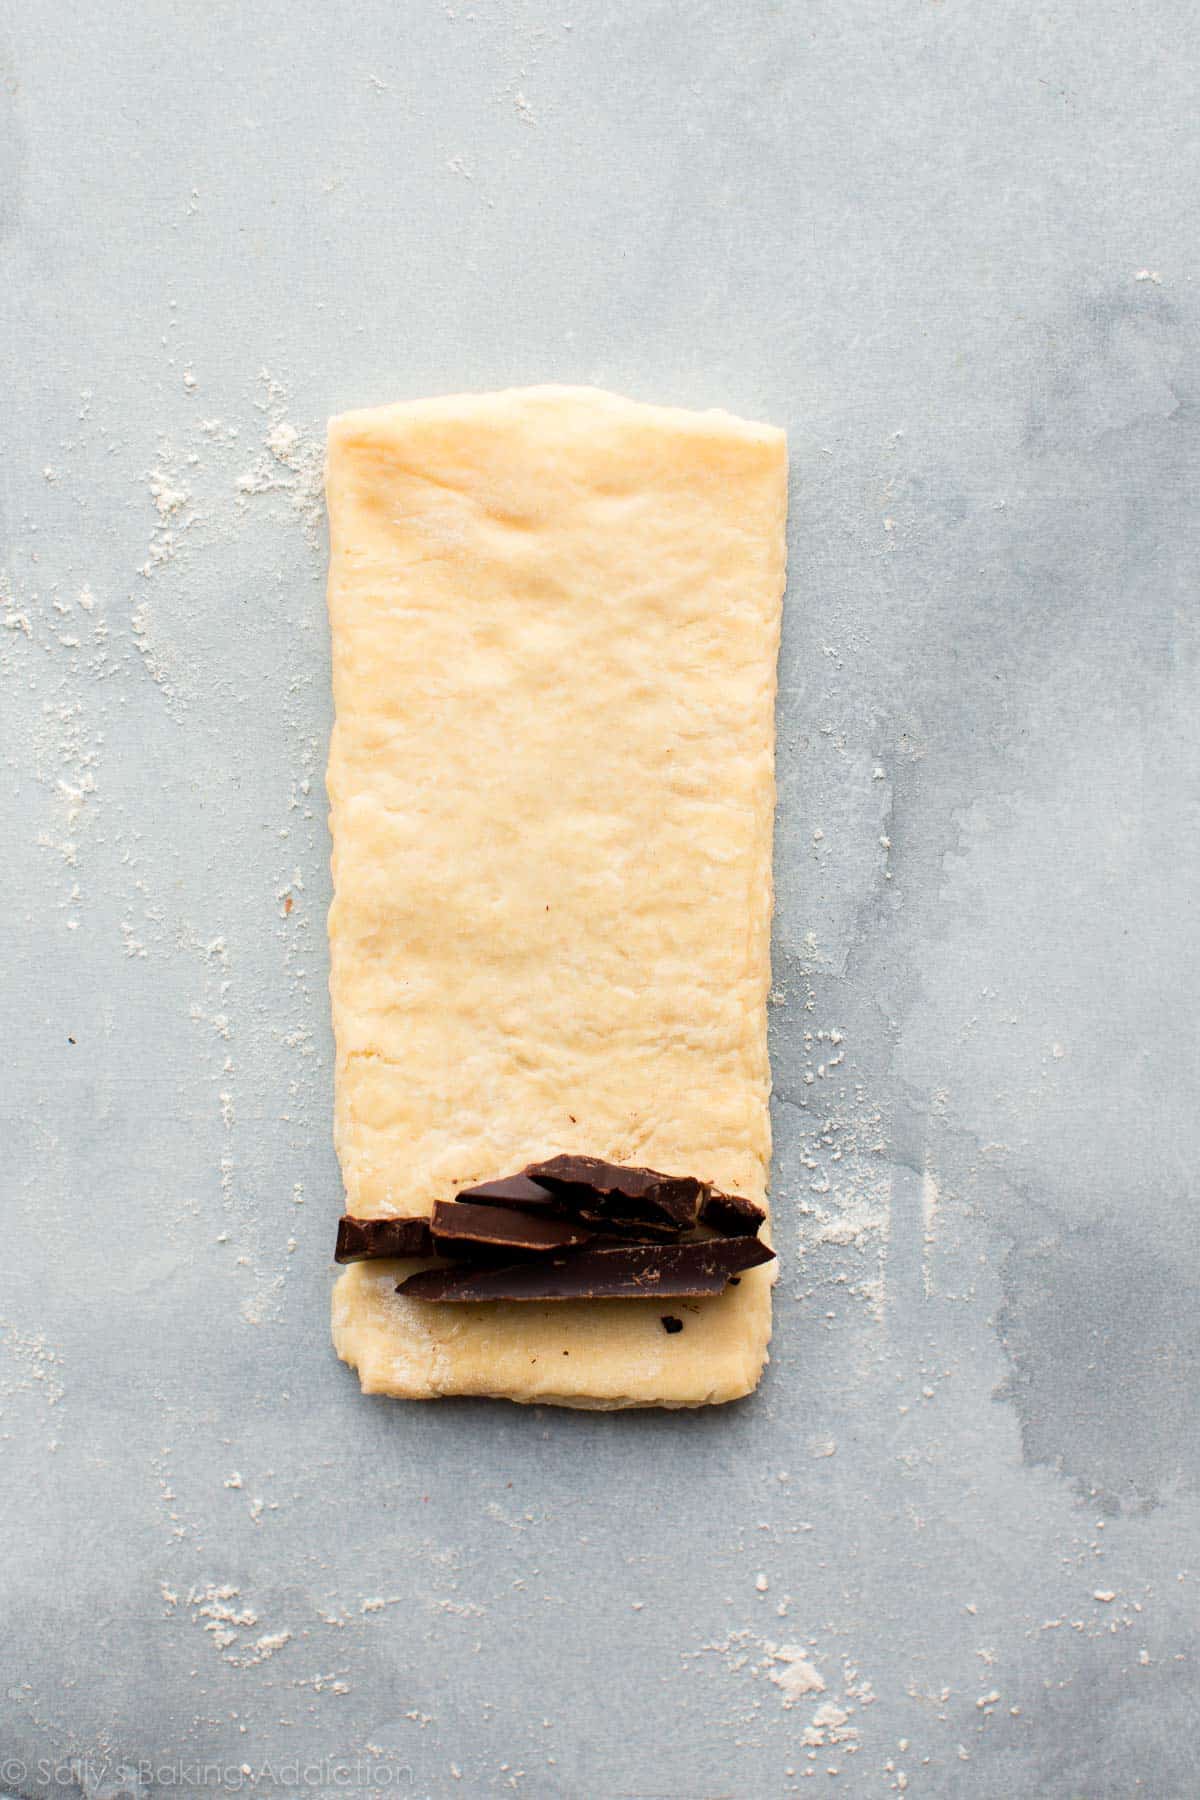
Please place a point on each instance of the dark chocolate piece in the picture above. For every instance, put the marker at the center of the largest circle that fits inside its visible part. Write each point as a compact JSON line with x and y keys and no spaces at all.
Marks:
{"x":461,"y":1228}
{"x":587,"y":1184}
{"x":361,"y":1240}
{"x":671,"y":1324}
{"x":513,"y":1190}
{"x":626,"y":1272}
{"x":581,"y":1204}
{"x":731,"y":1215}
{"x":623,"y":1231}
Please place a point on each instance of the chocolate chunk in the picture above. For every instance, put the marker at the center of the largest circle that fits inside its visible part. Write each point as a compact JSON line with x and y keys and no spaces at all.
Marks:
{"x":625,"y":1272}
{"x":731,"y":1215}
{"x":588,"y":1185}
{"x":671,"y":1324}
{"x":463,"y":1228}
{"x":513,"y":1190}
{"x":637,"y":1231}
{"x":361,"y":1240}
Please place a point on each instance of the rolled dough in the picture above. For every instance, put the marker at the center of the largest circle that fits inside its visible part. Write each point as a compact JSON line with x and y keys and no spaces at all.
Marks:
{"x":555,"y":619}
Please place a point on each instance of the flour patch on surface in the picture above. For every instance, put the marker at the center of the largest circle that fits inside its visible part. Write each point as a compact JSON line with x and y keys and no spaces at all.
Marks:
{"x":217,"y":1609}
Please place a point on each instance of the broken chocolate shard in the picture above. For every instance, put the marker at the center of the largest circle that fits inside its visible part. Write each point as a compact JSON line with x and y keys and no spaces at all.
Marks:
{"x":588,"y":1184}
{"x":462,"y":1228}
{"x":362,"y":1240}
{"x":624,"y":1231}
{"x":731,"y":1215}
{"x":691,"y":1271}
{"x":513,"y":1190}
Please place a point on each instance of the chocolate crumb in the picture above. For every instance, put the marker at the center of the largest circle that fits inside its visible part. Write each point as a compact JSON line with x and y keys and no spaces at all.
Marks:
{"x":671,"y":1324}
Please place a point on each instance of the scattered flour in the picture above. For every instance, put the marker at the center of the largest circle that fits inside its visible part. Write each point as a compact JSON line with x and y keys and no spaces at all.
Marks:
{"x":793,"y":1673}
{"x":36,"y":1365}
{"x":228,"y":1625}
{"x":290,"y":462}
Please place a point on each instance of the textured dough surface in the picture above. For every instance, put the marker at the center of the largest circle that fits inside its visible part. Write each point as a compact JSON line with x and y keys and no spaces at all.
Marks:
{"x":555,"y":620}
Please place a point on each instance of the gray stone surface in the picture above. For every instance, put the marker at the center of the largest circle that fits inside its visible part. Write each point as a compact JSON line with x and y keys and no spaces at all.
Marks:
{"x":952,"y":249}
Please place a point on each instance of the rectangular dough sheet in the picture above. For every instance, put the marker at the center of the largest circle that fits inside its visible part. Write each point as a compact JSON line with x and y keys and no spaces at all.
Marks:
{"x":555,"y":621}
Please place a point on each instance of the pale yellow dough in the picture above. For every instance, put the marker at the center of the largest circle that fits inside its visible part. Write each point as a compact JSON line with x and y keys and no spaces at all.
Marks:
{"x":555,"y":621}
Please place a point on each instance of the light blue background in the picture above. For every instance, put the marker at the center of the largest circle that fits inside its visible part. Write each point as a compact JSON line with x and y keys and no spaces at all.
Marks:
{"x":950,"y":247}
